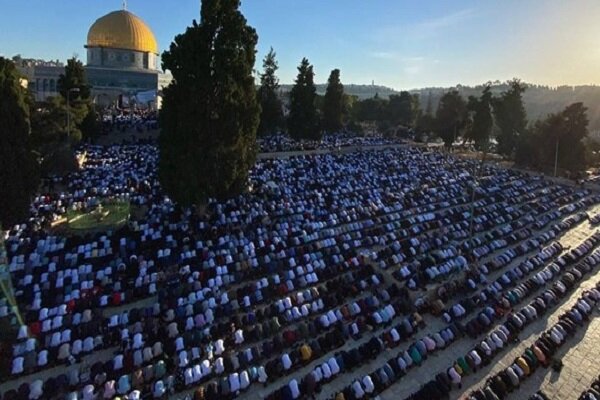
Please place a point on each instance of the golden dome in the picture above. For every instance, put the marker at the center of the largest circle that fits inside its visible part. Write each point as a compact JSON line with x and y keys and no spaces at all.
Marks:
{"x":122,"y":30}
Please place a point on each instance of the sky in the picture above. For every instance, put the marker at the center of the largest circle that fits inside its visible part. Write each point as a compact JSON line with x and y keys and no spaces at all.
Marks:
{"x":397,"y":43}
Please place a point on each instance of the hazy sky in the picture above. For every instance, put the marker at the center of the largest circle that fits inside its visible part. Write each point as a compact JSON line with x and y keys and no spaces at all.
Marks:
{"x":398,"y":43}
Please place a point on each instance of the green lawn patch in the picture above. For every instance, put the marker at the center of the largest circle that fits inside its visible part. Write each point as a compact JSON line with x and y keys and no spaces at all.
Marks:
{"x":109,"y":216}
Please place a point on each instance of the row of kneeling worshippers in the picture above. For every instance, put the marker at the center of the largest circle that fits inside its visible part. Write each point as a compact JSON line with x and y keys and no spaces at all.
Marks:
{"x":257,"y":286}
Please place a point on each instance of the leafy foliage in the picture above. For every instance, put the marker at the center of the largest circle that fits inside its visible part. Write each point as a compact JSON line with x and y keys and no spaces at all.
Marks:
{"x":425,"y":123}
{"x":84,"y":119}
{"x":18,"y":166}
{"x":303,"y":120}
{"x":271,"y":116}
{"x":48,"y":123}
{"x":400,"y":109}
{"x":451,"y":117}
{"x":482,"y":123}
{"x":74,"y":78}
{"x":539,"y":100}
{"x":565,"y":132}
{"x":210,"y":112}
{"x":50,"y":130}
{"x":333,"y":105}
{"x":511,"y":117}
{"x":371,"y":109}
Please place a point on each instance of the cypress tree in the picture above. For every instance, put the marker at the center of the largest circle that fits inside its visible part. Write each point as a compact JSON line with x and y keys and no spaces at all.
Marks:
{"x":210,"y":112}
{"x":271,"y":114}
{"x":18,"y":166}
{"x":333,"y":105}
{"x":303,"y":120}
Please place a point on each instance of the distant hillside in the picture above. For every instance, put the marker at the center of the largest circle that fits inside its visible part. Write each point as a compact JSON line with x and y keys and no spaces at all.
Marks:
{"x":539,"y":100}
{"x":361,"y":91}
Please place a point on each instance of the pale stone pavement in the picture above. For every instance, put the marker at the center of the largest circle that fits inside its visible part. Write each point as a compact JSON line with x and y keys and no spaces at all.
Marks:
{"x":581,"y":352}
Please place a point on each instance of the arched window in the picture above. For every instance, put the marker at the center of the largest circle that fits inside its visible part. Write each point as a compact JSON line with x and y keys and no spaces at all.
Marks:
{"x":52,"y":85}
{"x":45,"y":85}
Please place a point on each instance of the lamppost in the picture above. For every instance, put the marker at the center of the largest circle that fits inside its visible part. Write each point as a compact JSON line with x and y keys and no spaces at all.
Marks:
{"x":74,"y":90}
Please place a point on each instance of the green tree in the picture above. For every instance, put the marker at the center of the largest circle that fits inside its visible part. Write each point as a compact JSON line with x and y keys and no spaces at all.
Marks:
{"x":303,"y":120}
{"x":558,"y":138}
{"x":526,"y":149}
{"x":74,"y":78}
{"x":271,"y":116}
{"x":400,"y":109}
{"x":210,"y":112}
{"x":73,"y":86}
{"x":18,"y":166}
{"x":481,"y":126}
{"x":510,"y":115}
{"x":372,"y":109}
{"x":451,"y":117}
{"x":49,"y":134}
{"x":349,"y":102}
{"x":91,"y":126}
{"x":569,"y":135}
{"x":333,"y":105}
{"x":48,"y":123}
{"x":426,"y":123}
{"x":429,"y":107}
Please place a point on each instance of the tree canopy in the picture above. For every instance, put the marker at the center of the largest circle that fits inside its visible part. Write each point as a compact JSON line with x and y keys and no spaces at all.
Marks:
{"x":18,"y":166}
{"x":401,"y":110}
{"x":482,"y":123}
{"x":56,"y":126}
{"x":371,"y":109}
{"x":210,"y":112}
{"x":271,"y":115}
{"x":333,"y":104}
{"x":451,"y":117}
{"x":74,"y":78}
{"x":563,"y":132}
{"x":72,"y":85}
{"x":303,"y":120}
{"x":510,"y":115}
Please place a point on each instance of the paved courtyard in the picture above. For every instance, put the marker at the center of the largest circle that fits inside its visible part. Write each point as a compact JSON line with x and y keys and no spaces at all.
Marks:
{"x":580,"y":354}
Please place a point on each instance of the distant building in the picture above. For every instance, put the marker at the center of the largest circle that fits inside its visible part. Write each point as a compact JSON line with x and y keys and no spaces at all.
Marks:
{"x":41,"y":76}
{"x":122,"y":57}
{"x":122,"y":62}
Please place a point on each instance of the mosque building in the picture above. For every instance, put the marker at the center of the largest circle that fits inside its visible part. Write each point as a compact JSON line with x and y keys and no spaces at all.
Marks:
{"x":122,"y":56}
{"x":122,"y":63}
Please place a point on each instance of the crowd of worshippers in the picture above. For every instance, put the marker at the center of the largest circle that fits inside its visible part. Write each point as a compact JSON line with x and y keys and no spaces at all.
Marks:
{"x":283,"y":143}
{"x":136,"y":120}
{"x":593,"y":393}
{"x":249,"y":290}
{"x":573,"y":267}
{"x":415,"y":354}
